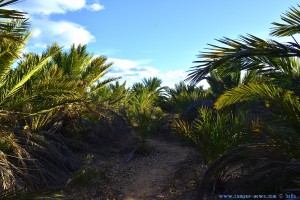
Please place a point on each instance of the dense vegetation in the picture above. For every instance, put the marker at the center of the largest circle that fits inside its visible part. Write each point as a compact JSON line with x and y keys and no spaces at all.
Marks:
{"x":246,"y":125}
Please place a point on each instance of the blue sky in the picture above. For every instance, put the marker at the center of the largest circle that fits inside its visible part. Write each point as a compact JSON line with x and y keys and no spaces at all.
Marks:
{"x":146,"y":38}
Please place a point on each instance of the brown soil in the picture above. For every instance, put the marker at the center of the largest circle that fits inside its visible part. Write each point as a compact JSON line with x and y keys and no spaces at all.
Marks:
{"x":166,"y":169}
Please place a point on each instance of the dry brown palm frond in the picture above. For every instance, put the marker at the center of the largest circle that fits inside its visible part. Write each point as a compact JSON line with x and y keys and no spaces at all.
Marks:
{"x":30,"y":161}
{"x":250,"y":169}
{"x":44,"y":159}
{"x":14,"y":160}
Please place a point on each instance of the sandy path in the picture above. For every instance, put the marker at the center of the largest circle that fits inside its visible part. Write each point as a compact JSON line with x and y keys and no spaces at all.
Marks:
{"x":168,"y":171}
{"x":156,"y":169}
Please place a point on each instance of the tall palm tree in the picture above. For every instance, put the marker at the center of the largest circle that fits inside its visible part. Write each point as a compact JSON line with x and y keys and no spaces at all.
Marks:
{"x":79,"y":65}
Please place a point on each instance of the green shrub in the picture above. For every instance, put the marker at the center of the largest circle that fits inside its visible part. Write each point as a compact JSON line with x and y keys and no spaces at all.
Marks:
{"x":214,"y":133}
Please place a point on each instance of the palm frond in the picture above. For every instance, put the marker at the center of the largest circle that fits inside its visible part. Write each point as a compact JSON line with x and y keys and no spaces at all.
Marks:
{"x":9,"y":53}
{"x":14,"y":23}
{"x":245,"y":93}
{"x":291,"y":26}
{"x":252,"y":169}
{"x":96,"y":70}
{"x":182,"y":127}
{"x":280,"y":98}
{"x":14,"y":30}
{"x":214,"y":133}
{"x":23,"y":73}
{"x":281,"y":115}
{"x":46,"y":95}
{"x":110,"y":95}
{"x":283,"y":72}
{"x":285,"y":102}
{"x":101,"y":84}
{"x":249,"y":51}
{"x":10,"y":14}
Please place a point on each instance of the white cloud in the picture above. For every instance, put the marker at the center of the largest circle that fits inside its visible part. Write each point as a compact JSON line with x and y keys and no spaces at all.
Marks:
{"x":95,"y":7}
{"x":63,"y":32}
{"x":46,"y":31}
{"x":50,"y":6}
{"x":36,"y":32}
{"x":69,"y":33}
{"x":133,"y":71}
{"x":172,"y":77}
{"x":42,"y":7}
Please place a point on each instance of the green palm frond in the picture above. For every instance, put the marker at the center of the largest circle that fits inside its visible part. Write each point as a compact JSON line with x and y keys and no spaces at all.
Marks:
{"x":154,"y":84}
{"x":286,"y":100}
{"x":249,"y":51}
{"x":79,"y":58}
{"x":137,"y":87}
{"x":10,"y":14}
{"x":96,"y":69}
{"x":74,"y":61}
{"x":111,"y":94}
{"x":271,"y":94}
{"x":182,"y":127}
{"x":213,"y":133}
{"x":13,"y":23}
{"x":251,"y":76}
{"x":183,"y":95}
{"x":14,"y":30}
{"x":283,"y":72}
{"x":291,"y":26}
{"x":50,"y":92}
{"x":77,"y":64}
{"x":100,"y":84}
{"x":23,"y":73}
{"x":9,"y":52}
{"x":219,"y":82}
{"x":281,"y":115}
{"x":181,"y":87}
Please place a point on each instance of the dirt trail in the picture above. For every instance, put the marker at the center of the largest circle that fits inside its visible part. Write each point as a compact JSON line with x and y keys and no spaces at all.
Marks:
{"x":159,"y":168}
{"x":169,"y":170}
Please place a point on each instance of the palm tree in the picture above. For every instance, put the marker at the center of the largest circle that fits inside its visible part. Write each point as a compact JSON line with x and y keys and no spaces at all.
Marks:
{"x":276,"y":65}
{"x":214,"y":133}
{"x":81,"y":66}
{"x":67,"y":84}
{"x":183,"y":95}
{"x":153,"y":85}
{"x":142,"y":109}
{"x":14,"y":81}
{"x":111,"y":95}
